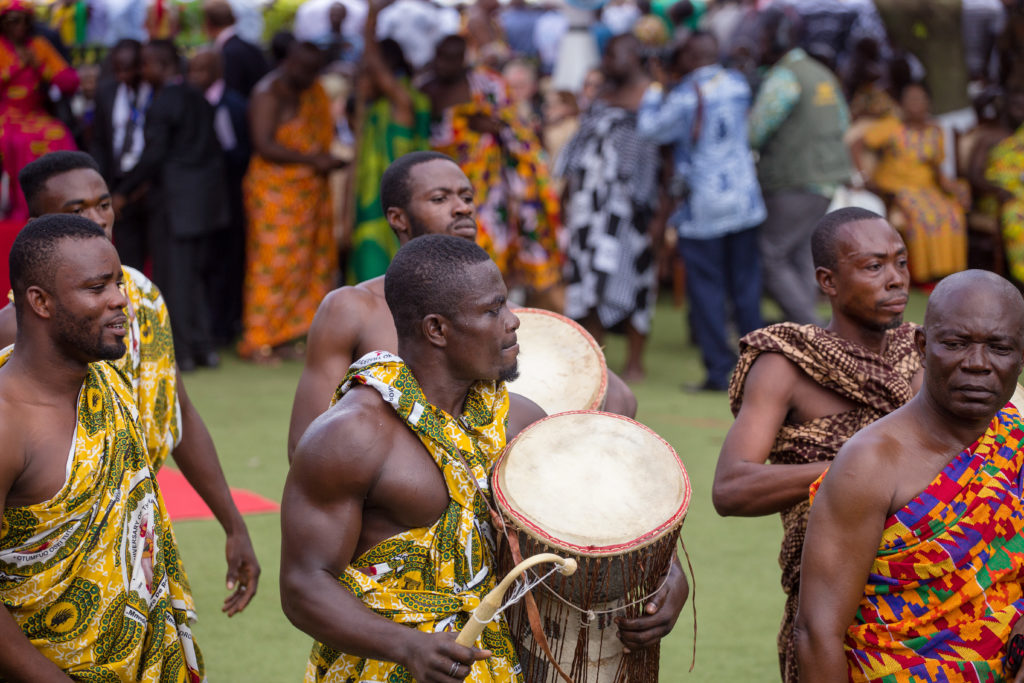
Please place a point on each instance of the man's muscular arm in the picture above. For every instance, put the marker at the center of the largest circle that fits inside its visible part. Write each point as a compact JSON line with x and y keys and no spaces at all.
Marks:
{"x":19,"y":659}
{"x":745,"y":484}
{"x":8,"y":325}
{"x":331,"y":346}
{"x":335,"y":466}
{"x":843,"y":533}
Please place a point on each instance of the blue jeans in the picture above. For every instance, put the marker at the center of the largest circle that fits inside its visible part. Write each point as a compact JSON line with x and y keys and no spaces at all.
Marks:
{"x":719,"y":272}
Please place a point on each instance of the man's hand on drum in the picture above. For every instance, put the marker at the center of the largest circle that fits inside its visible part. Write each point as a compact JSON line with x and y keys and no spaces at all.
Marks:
{"x":437,"y":658}
{"x":660,"y":613}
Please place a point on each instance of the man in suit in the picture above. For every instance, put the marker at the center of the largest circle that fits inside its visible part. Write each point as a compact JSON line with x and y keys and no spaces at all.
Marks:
{"x":244,"y":63}
{"x":118,"y":141}
{"x":183,"y":163}
{"x":230,"y":122}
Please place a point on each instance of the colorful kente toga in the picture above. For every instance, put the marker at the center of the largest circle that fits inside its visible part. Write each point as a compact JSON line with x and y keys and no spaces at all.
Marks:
{"x":27,"y":131}
{"x":92,"y":576}
{"x":945,"y":589}
{"x":516,"y":207}
{"x":877,"y":384}
{"x":428,"y":578}
{"x":291,"y":260}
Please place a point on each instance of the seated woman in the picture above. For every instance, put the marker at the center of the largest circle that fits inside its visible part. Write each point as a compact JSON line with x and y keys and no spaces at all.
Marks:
{"x":908,"y":176}
{"x":1004,"y":174}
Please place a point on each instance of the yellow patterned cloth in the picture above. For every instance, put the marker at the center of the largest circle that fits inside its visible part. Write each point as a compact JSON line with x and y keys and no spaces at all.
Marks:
{"x":149,"y":365}
{"x":92,"y":576}
{"x":429,"y":578}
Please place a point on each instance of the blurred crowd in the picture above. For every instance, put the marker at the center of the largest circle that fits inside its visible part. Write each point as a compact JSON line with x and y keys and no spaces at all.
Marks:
{"x":613,"y":149}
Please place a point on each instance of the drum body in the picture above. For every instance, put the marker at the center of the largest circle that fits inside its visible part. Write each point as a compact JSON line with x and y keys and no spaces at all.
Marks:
{"x":561,"y":367}
{"x":612,"y":494}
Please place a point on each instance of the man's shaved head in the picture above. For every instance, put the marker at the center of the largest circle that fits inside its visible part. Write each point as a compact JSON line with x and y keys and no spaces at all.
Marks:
{"x":957,"y":291}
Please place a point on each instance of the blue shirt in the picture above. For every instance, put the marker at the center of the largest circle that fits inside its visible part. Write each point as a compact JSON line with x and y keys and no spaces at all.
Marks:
{"x":718,"y":167}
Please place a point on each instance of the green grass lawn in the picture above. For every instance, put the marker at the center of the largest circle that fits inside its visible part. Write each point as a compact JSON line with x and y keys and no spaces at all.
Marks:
{"x":736,"y":588}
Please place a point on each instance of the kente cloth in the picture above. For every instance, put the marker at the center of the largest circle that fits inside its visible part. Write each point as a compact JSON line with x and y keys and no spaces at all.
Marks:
{"x":431,"y":578}
{"x":1006,"y":169}
{"x":92,"y":575}
{"x":877,"y":384}
{"x":935,"y":229}
{"x":149,"y":366}
{"x":516,"y":207}
{"x":291,"y":260}
{"x":381,"y":141}
{"x":612,"y":190}
{"x":944,"y":590}
{"x":27,"y":131}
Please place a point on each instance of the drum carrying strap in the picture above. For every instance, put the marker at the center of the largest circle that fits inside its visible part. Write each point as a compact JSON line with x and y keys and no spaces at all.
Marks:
{"x":532,"y":613}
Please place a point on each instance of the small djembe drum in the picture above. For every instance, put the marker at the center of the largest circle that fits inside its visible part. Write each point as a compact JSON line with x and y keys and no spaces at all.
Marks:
{"x":611,"y":494}
{"x":561,"y":367}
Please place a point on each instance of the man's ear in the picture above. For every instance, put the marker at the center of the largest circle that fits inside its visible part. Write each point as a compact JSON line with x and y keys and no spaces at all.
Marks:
{"x":920,"y":339}
{"x":399,"y":222}
{"x":826,"y":281}
{"x":436,"y":329}
{"x":39,"y":302}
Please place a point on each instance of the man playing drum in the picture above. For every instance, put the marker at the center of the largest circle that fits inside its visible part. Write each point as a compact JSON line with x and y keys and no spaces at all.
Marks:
{"x":914,"y":556}
{"x":800,"y":391}
{"x":422,"y":193}
{"x":385,"y":514}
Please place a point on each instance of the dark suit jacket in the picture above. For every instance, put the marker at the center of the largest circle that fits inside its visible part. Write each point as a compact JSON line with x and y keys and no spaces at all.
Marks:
{"x":183,"y":160}
{"x":102,"y":148}
{"x":244,"y":65}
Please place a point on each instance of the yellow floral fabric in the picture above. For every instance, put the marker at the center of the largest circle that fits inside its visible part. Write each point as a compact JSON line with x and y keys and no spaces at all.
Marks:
{"x":149,"y":366}
{"x":431,"y":578}
{"x":92,"y":576}
{"x":1006,"y":169}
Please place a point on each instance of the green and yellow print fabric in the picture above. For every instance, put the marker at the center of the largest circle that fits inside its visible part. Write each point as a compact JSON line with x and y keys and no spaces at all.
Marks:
{"x":92,"y":576}
{"x":430,"y":578}
{"x":149,"y":365}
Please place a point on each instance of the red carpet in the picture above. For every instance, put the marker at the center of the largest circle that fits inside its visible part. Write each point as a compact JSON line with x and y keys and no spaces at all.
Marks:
{"x":184,"y":503}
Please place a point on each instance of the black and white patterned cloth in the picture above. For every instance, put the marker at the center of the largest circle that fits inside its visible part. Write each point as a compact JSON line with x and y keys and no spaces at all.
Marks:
{"x":612,"y":190}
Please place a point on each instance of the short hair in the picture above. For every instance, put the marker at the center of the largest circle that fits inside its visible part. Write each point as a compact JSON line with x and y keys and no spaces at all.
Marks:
{"x":34,"y":176}
{"x":280,"y":42}
{"x":218,"y":13}
{"x":427,"y":276}
{"x":166,"y":50}
{"x":395,"y":189}
{"x":824,"y":239}
{"x":127,"y":44}
{"x":32,"y":261}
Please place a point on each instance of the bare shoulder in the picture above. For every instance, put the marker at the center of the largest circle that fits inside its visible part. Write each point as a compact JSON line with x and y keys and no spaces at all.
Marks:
{"x":865,"y":469}
{"x":522,"y":412}
{"x":14,"y":454}
{"x":349,"y":442}
{"x":772,"y":376}
{"x":341,"y":318}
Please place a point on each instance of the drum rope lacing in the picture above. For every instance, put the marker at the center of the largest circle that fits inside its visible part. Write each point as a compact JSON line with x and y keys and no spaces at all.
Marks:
{"x":592,"y":614}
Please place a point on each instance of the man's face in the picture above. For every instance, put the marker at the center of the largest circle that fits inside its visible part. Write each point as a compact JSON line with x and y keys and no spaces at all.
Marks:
{"x":89,"y":322}
{"x":82,"y":192}
{"x":482,"y":344}
{"x":521,"y":84}
{"x":973,"y":354}
{"x":440,"y":201}
{"x":202,"y":71}
{"x":15,"y":26}
{"x":621,"y":59}
{"x":126,"y":67}
{"x":153,"y":68}
{"x":871,"y":276}
{"x":450,"y":61}
{"x":336,"y":15}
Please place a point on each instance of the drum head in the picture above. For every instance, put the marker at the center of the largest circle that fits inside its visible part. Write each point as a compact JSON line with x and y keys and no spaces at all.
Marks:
{"x":592,"y":483}
{"x":561,"y":367}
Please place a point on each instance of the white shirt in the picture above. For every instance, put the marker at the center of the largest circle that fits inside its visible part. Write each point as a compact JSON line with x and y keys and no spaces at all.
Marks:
{"x":126,"y":105}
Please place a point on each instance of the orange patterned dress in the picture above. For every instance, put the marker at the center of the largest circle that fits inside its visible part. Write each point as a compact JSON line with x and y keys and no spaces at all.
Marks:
{"x":291,"y":260}
{"x":27,"y":131}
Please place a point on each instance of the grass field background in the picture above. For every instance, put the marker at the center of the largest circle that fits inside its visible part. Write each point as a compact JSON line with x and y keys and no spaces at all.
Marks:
{"x":736,"y":585}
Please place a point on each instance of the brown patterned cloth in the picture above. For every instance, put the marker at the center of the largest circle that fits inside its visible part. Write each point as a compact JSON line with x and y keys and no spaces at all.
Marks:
{"x":878,"y":384}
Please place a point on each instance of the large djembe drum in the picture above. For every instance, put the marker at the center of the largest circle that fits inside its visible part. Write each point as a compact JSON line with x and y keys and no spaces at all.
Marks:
{"x":561,"y":366}
{"x":610,"y":493}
